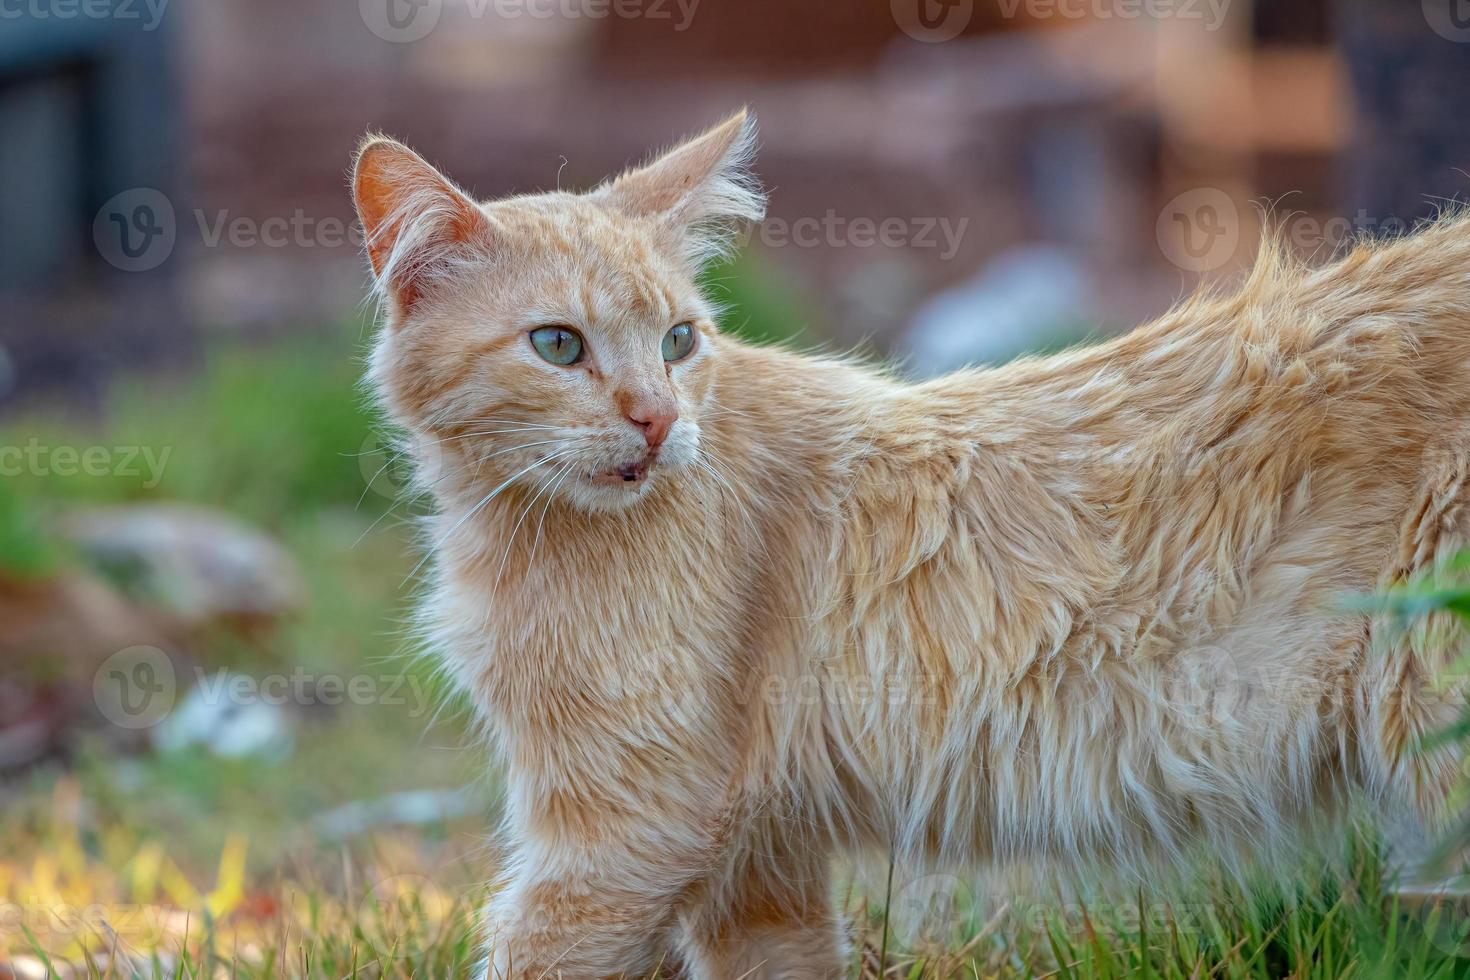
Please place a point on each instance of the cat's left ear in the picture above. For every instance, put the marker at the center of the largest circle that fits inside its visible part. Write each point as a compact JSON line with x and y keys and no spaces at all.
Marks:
{"x":700,"y":191}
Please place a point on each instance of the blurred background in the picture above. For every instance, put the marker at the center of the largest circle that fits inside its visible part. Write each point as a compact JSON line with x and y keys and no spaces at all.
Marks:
{"x":205,"y":557}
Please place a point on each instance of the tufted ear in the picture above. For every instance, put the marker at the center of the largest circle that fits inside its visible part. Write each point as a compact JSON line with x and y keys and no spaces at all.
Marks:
{"x":418,"y":226}
{"x":700,"y":190}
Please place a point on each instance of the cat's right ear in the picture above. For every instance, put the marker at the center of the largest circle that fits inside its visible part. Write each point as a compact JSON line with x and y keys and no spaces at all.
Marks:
{"x":417,"y":225}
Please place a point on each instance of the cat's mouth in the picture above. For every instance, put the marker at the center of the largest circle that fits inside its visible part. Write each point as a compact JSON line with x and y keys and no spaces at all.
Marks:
{"x":630,"y":475}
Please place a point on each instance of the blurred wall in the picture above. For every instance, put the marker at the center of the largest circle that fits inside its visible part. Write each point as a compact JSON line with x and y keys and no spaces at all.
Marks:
{"x":1140,"y":153}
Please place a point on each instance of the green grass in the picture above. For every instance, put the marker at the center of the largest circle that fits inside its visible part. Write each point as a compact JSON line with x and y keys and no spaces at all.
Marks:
{"x":363,"y":914}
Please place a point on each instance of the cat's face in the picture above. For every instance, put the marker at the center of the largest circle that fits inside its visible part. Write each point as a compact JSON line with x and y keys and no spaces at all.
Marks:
{"x":557,"y":343}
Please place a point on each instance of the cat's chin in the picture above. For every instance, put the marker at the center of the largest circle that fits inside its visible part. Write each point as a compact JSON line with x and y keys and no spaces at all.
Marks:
{"x":600,"y":493}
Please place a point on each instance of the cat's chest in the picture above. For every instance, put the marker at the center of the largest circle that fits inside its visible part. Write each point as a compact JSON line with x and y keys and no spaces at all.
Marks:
{"x":621,"y":629}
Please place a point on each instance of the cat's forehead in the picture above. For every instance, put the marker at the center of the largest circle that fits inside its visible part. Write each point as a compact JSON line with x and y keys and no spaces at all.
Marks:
{"x":575,"y":227}
{"x":601,"y":259}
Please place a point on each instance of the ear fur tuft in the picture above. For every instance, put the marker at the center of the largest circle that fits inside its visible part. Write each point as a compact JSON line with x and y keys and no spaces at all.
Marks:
{"x":701,"y":190}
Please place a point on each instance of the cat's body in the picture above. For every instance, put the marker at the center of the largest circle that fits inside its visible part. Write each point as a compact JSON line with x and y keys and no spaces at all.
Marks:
{"x":1081,"y":608}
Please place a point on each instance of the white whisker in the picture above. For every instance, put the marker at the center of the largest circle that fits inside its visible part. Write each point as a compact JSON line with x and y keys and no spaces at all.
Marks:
{"x":477,"y":508}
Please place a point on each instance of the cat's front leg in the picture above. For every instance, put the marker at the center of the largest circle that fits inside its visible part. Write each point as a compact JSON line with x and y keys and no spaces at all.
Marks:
{"x":768,"y":916}
{"x":581,"y":913}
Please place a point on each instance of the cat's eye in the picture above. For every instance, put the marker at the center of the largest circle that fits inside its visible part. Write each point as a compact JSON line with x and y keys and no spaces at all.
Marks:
{"x":678,"y":342}
{"x":559,"y":345}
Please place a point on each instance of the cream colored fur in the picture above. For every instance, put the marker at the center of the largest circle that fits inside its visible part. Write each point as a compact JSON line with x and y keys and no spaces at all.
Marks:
{"x":1081,"y":608}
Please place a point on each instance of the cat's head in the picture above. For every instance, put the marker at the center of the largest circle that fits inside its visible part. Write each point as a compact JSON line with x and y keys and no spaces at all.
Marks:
{"x":557,"y":341}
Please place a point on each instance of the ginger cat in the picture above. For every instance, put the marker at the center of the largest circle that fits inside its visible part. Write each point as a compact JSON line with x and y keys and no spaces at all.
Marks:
{"x":730,"y":610}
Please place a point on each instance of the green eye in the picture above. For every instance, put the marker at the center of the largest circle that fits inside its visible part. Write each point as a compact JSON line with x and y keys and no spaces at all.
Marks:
{"x":678,"y":342}
{"x":559,"y":345}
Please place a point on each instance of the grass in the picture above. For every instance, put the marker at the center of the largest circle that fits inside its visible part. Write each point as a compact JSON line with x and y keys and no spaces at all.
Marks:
{"x":394,"y":907}
{"x":187,"y":865}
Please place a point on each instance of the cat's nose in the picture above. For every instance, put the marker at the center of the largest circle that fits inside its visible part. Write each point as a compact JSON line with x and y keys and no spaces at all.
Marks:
{"x":655,"y":416}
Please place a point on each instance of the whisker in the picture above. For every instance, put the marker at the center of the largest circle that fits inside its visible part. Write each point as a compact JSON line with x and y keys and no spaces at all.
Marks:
{"x":557,"y":476}
{"x":728,"y":411}
{"x":510,"y":543}
{"x":496,"y":432}
{"x":511,"y":449}
{"x":392,"y":458}
{"x":477,"y":508}
{"x":407,"y":498}
{"x":479,"y":463}
{"x":501,"y":421}
{"x":541,"y":523}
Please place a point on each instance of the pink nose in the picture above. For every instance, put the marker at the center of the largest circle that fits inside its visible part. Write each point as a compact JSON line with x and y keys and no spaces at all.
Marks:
{"x":654,"y":416}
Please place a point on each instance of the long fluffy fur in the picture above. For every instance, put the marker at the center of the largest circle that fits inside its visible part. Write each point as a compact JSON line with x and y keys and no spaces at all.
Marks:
{"x":1077,"y":609}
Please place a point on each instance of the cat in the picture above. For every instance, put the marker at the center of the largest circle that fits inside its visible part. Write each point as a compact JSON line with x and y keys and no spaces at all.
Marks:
{"x":729,"y":611}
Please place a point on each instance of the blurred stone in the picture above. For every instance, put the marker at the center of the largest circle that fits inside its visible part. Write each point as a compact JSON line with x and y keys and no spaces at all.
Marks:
{"x":197,"y":565}
{"x":55,"y":634}
{"x":212,"y":716}
{"x":1031,"y":297}
{"x":412,"y":808}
